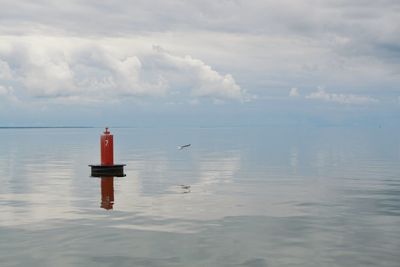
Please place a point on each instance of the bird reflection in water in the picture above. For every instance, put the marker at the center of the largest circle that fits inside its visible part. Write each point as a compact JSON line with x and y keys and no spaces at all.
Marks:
{"x":107,"y":192}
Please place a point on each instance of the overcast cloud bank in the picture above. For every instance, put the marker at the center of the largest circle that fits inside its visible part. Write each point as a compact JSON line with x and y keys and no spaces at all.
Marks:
{"x":91,"y":52}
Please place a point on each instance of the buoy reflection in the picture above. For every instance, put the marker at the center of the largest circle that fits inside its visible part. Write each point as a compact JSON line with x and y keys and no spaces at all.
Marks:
{"x":107,"y":192}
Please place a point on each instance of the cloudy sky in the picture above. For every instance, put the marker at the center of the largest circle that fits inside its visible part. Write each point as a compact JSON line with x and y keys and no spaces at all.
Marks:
{"x":199,"y":62}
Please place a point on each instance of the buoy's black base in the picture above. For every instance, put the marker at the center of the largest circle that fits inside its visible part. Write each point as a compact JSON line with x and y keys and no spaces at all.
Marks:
{"x":116,"y":170}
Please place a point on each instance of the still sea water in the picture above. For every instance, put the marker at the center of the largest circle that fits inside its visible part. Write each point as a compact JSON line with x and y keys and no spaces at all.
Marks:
{"x":258,"y":197}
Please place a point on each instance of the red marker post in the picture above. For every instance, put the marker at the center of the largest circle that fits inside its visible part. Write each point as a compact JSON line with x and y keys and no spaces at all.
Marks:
{"x":107,"y":148}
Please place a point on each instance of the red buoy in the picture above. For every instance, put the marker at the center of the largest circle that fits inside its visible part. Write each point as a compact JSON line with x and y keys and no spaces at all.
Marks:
{"x":107,"y":148}
{"x":107,"y":166}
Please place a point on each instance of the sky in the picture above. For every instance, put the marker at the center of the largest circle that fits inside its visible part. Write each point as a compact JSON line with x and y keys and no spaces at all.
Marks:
{"x":199,"y":63}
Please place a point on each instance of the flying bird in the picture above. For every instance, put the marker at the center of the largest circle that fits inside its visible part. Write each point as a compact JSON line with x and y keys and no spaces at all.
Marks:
{"x":184,"y":146}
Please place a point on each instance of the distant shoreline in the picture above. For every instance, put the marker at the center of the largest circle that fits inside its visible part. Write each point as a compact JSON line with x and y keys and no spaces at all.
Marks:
{"x":46,"y":127}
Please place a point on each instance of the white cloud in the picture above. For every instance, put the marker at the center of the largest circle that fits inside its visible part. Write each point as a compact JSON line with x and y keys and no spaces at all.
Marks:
{"x":109,"y":74}
{"x":294,"y":92}
{"x":97,"y":70}
{"x":206,"y":81}
{"x":48,"y":77}
{"x":321,"y":94}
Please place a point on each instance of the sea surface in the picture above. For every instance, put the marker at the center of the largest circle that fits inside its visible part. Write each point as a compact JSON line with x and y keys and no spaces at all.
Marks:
{"x":252,"y":196}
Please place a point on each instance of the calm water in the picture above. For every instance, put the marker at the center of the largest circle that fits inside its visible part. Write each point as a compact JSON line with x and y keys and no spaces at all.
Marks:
{"x":257,"y":197}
